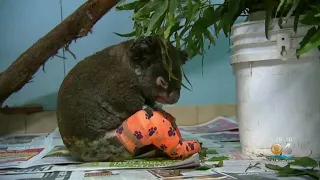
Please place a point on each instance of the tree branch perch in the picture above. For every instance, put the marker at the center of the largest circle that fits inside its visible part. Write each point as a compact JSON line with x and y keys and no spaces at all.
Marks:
{"x":76,"y":25}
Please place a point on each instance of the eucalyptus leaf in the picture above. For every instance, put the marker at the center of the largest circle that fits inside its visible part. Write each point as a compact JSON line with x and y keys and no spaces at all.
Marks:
{"x":151,"y":6}
{"x":157,"y":14}
{"x":218,"y":158}
{"x":185,"y":86}
{"x":129,"y":6}
{"x":158,"y":29}
{"x":212,"y":151}
{"x":171,"y":21}
{"x":233,"y":7}
{"x":203,"y":168}
{"x":177,"y":40}
{"x":273,"y":167}
{"x":133,"y":33}
{"x":190,"y":7}
{"x":305,"y":161}
{"x":270,"y":5}
{"x":298,"y":11}
{"x":312,"y":40}
{"x":209,"y":16}
{"x":280,"y":6}
{"x":140,"y":4}
{"x":310,"y":19}
{"x":184,"y":75}
{"x":209,"y":36}
{"x":220,"y":164}
{"x":202,"y":65}
{"x":174,"y":29}
{"x":293,"y":8}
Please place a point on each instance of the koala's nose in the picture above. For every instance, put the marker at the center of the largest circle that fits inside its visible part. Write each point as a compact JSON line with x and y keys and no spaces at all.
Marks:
{"x":174,"y":97}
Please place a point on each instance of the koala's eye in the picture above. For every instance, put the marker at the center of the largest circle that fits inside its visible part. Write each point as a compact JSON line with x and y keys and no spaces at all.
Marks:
{"x":137,"y":71}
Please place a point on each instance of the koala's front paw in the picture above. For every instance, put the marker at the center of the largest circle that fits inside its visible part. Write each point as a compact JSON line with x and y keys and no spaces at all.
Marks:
{"x":149,"y":111}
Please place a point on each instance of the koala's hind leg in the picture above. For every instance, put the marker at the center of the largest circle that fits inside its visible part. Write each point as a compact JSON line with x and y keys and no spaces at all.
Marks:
{"x":106,"y":149}
{"x":142,"y":130}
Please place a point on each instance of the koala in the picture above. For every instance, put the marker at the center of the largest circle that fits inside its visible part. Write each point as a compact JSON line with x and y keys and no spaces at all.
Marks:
{"x":106,"y":88}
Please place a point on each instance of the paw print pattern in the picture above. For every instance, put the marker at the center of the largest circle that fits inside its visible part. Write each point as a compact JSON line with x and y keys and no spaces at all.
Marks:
{"x":152,"y":131}
{"x":191,"y":145}
{"x":119,"y":129}
{"x":163,"y":147}
{"x":180,"y":143}
{"x":148,"y":116}
{"x":174,"y":154}
{"x":187,"y":148}
{"x":171,"y":132}
{"x":138,"y":135}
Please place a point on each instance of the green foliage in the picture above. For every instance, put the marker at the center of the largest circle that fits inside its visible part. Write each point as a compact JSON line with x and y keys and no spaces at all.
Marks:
{"x":218,"y":158}
{"x":189,"y":23}
{"x":304,"y":162}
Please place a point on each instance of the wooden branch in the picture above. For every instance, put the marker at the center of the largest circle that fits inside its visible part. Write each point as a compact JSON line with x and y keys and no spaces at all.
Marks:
{"x":77,"y":25}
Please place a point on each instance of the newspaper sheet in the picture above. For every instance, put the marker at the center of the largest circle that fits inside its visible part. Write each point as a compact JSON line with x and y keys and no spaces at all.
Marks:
{"x":257,"y":166}
{"x":20,"y":151}
{"x":188,"y":174}
{"x":58,"y":153}
{"x":226,"y":136}
{"x":216,"y":125}
{"x":22,"y":140}
{"x":266,"y":176}
{"x":230,"y":153}
{"x":81,"y":175}
{"x":62,"y":175}
{"x":120,"y":175}
{"x":192,"y":161}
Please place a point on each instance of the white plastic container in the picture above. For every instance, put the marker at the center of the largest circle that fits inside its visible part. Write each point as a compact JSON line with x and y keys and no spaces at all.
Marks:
{"x":278,"y":95}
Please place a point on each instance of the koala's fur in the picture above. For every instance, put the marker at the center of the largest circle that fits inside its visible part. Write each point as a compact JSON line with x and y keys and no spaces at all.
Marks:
{"x":104,"y":89}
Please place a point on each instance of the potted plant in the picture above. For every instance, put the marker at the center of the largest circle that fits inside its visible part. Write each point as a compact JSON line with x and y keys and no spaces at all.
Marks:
{"x":275,"y":60}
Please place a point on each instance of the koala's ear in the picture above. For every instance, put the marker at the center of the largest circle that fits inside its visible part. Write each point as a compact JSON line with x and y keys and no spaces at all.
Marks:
{"x":184,"y":56}
{"x":142,"y":48}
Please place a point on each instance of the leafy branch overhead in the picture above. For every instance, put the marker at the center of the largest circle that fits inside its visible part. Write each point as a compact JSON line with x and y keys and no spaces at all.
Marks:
{"x":189,"y":23}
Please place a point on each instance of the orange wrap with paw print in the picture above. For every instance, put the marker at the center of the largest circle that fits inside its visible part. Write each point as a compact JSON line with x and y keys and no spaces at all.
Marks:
{"x":160,"y":130}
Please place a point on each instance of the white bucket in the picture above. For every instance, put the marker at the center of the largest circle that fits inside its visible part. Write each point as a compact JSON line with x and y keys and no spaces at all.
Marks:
{"x":278,"y":96}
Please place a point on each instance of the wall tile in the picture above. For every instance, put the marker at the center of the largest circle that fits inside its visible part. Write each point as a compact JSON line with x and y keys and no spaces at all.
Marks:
{"x":42,"y":122}
{"x":12,"y":124}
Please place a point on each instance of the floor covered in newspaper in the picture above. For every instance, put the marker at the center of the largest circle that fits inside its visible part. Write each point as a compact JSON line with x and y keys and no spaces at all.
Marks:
{"x":43,"y":156}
